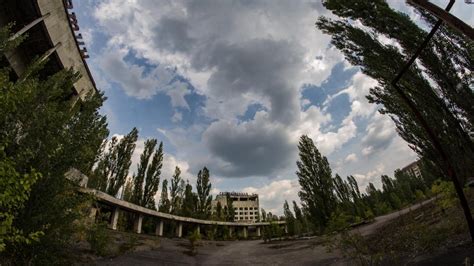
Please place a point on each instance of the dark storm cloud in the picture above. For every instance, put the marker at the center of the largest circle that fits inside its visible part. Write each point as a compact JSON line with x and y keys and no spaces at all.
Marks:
{"x":262,"y":67}
{"x":172,"y":35}
{"x":249,"y":149}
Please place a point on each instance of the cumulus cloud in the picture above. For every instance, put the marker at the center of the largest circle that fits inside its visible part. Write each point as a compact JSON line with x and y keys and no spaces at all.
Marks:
{"x":236,"y":54}
{"x":273,"y":195}
{"x":378,"y":135}
{"x":351,"y":158}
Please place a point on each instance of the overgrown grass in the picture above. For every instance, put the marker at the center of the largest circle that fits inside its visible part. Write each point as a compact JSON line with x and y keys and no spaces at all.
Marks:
{"x":436,"y":225}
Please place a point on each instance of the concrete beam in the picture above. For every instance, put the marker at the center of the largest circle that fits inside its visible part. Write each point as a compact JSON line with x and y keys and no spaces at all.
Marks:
{"x":112,"y":201}
{"x":179,"y":230}
{"x":137,"y":224}
{"x":159,"y":228}
{"x":114,"y":218}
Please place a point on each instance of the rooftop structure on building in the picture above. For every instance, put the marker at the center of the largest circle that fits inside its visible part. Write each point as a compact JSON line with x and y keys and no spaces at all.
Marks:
{"x":246,"y":205}
{"x":52,"y":33}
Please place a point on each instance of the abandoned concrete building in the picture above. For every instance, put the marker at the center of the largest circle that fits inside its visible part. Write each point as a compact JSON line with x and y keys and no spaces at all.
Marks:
{"x":245,"y":205}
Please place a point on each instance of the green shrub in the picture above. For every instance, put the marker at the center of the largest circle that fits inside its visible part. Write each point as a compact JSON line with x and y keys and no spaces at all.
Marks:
{"x":98,"y":237}
{"x":193,"y":238}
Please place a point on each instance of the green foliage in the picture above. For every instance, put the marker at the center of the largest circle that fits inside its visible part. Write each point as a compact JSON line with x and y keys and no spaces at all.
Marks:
{"x":175,"y":191}
{"x":193,"y":238}
{"x":203,"y":187}
{"x":264,"y":215}
{"x":189,"y":207}
{"x":44,"y":134}
{"x":99,"y":238}
{"x":440,"y":88}
{"x":114,"y":163}
{"x":147,"y":179}
{"x":229,"y":211}
{"x":356,"y":248}
{"x":446,"y":193}
{"x":271,"y":232}
{"x":289,"y":218}
{"x":7,"y":42}
{"x":314,"y":176}
{"x":165,"y":203}
{"x":15,"y":190}
{"x":339,"y":221}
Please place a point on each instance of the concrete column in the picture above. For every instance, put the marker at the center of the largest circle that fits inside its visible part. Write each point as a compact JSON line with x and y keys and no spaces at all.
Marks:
{"x":259,"y":233}
{"x":286,"y":229}
{"x":50,"y":51}
{"x":231,"y":231}
{"x":245,"y":232}
{"x":179,"y":230}
{"x":198,"y":229}
{"x":114,"y":218}
{"x":27,"y":27}
{"x":159,"y":228}
{"x":137,"y":224}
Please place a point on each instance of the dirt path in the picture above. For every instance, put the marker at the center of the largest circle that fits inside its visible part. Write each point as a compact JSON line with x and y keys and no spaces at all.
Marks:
{"x":251,"y":252}
{"x":381,"y":220}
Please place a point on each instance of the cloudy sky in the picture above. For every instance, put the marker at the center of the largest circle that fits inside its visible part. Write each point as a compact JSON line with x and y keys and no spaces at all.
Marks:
{"x":232,"y":85}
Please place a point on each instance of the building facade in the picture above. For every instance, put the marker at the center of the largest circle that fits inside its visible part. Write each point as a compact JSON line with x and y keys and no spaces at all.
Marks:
{"x":246,"y":206}
{"x":52,"y":33}
{"x":413,"y":169}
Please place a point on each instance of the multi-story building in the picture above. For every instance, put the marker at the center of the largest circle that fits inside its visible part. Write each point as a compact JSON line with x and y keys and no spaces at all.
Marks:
{"x":246,"y":207}
{"x":412,"y":169}
{"x":52,"y":33}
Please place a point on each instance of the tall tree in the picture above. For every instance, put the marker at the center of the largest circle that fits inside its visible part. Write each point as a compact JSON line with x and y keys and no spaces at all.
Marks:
{"x":290,"y":218}
{"x":264,"y":216}
{"x":314,"y":176}
{"x":114,"y":163}
{"x":121,"y":163}
{"x":189,"y":202}
{"x":176,"y":191}
{"x":42,"y":136}
{"x":165,"y":203}
{"x":299,"y":216}
{"x":147,"y":179}
{"x":230,"y":213}
{"x":203,"y":190}
{"x":128,"y":191}
{"x":219,"y":211}
{"x":342,"y":190}
{"x":438,"y":87}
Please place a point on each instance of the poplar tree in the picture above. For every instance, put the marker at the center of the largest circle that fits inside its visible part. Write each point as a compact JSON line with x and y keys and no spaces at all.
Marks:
{"x":219,"y":211}
{"x":188,"y":208}
{"x":230,"y":213}
{"x":147,"y":179}
{"x":165,"y":204}
{"x":314,"y":176}
{"x":176,"y":191}
{"x":203,"y":187}
{"x":114,"y":163}
{"x":290,"y":218}
{"x":300,"y":218}
{"x":264,"y":215}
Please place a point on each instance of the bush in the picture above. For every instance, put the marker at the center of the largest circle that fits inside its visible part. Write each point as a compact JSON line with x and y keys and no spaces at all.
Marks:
{"x":193,"y":238}
{"x":98,"y":237}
